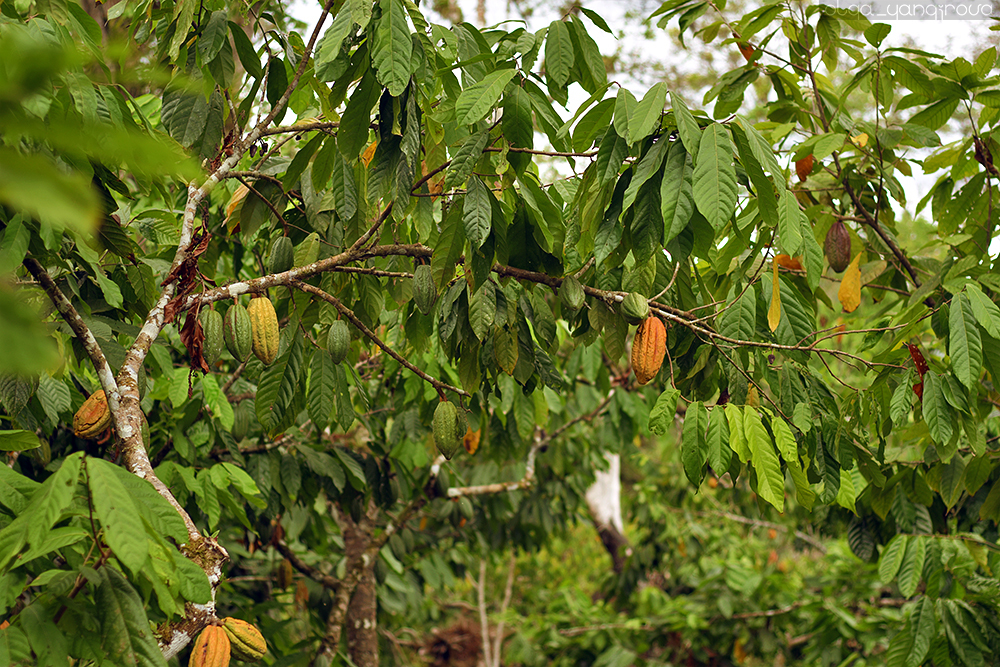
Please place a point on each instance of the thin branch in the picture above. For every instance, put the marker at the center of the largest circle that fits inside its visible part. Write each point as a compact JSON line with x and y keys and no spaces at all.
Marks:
{"x":316,"y":575}
{"x":484,"y":627}
{"x":507,"y":594}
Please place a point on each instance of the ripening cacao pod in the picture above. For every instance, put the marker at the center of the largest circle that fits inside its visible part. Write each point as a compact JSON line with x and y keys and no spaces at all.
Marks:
{"x":264,"y":326}
{"x":237,"y":332}
{"x":282,"y":255}
{"x":804,"y":167}
{"x":449,"y":428}
{"x":634,"y":308}
{"x":838,"y":246}
{"x":424,"y":289}
{"x":247,"y":642}
{"x":338,"y":341}
{"x":571,"y":294}
{"x":648,"y":348}
{"x":211,"y":326}
{"x":283,"y":574}
{"x":211,"y":648}
{"x":93,"y":417}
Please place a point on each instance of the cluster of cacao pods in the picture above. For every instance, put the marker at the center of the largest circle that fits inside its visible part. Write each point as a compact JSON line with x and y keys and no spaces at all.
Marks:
{"x":217,"y":644}
{"x":648,"y":349}
{"x":241,"y":331}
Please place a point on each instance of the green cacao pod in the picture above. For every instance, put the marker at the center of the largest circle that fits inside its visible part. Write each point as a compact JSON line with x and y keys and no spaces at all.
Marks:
{"x":211,"y":649}
{"x":246,"y":641}
{"x":211,"y":325}
{"x":648,"y":349}
{"x":241,"y":421}
{"x":237,"y":332}
{"x":837,"y":246}
{"x":338,"y":341}
{"x":282,"y":255}
{"x":449,"y":428}
{"x":93,"y":417}
{"x":571,"y":294}
{"x":424,"y":289}
{"x":634,"y":308}
{"x":264,"y":326}
{"x":144,"y":430}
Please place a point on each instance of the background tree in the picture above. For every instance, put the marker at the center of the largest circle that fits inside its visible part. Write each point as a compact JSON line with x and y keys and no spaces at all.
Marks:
{"x":382,"y":171}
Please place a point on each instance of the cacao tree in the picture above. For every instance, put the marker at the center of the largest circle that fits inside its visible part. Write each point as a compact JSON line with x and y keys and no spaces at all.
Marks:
{"x":362,"y":300}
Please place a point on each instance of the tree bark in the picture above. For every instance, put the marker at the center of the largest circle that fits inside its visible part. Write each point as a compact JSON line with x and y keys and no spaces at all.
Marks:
{"x":362,"y":637}
{"x":604,"y":500}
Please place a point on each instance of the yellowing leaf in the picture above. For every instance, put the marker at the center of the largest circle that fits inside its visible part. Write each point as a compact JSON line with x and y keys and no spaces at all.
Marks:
{"x":471,"y":440}
{"x":850,"y":287}
{"x":774,"y":312}
{"x":369,"y":153}
{"x":234,"y":206}
{"x":860,"y":140}
{"x":790,"y":263}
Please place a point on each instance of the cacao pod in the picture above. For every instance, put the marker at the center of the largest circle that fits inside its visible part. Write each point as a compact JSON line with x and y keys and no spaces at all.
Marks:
{"x":247,"y":642}
{"x":804,"y":167}
{"x":264,"y":326}
{"x":283,"y":574}
{"x":424,"y":289}
{"x":211,"y":648}
{"x":449,"y":428}
{"x":237,"y":332}
{"x":241,"y":421}
{"x":838,"y":246}
{"x":571,"y":294}
{"x":144,"y":430}
{"x":338,"y":341}
{"x":634,"y":308}
{"x":282,"y":255}
{"x":211,"y":325}
{"x":93,"y":417}
{"x":648,"y":348}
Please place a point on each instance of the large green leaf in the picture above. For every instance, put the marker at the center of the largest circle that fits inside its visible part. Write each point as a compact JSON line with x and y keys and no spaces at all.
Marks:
{"x":559,"y":56}
{"x":477,"y":100}
{"x":937,"y":414}
{"x":986,"y":311}
{"x":965,"y":345}
{"x":770,"y":480}
{"x":714,"y":186}
{"x":278,"y":385}
{"x":126,"y":636}
{"x":646,"y":114}
{"x":115,"y":508}
{"x":694,"y":446}
{"x":477,"y":212}
{"x":393,"y":47}
{"x":676,"y":196}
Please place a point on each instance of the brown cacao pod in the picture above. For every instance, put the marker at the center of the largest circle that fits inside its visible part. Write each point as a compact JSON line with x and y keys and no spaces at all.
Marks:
{"x":264,"y":326}
{"x":237,"y":332}
{"x":449,"y":428}
{"x":93,"y":417}
{"x":211,"y":648}
{"x":211,"y":326}
{"x":634,"y":308}
{"x":424,"y":289}
{"x":284,"y":573}
{"x":648,"y":348}
{"x":804,"y":167}
{"x":838,"y":246}
{"x":247,"y":642}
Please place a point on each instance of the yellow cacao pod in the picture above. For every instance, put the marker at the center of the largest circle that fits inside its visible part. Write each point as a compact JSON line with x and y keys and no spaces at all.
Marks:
{"x":247,"y":642}
{"x":211,"y":648}
{"x":93,"y":417}
{"x":264,"y":325}
{"x":648,"y":348}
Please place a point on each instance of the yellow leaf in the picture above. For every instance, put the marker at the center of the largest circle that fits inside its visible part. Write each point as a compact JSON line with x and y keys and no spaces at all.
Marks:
{"x":774,"y":312}
{"x":234,"y":206}
{"x":850,"y":287}
{"x":860,"y":140}
{"x":369,"y":153}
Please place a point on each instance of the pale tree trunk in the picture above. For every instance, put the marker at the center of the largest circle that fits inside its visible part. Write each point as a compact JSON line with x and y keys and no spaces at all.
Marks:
{"x":604,"y":500}
{"x":362,"y":638}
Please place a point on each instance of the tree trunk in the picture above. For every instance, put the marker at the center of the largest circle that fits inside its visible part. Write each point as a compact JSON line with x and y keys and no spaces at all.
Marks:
{"x":362,"y":637}
{"x":604,"y":500}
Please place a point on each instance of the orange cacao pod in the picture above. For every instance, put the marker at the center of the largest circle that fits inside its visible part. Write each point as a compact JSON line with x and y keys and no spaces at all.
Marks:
{"x":93,"y":417}
{"x":246,"y":641}
{"x":284,"y":574}
{"x":804,"y":167}
{"x":648,"y":348}
{"x":211,"y":649}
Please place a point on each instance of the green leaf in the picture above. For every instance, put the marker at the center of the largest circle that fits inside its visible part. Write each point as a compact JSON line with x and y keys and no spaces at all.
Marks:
{"x":901,"y":402}
{"x":47,"y":504}
{"x":217,"y":402}
{"x":986,"y":311}
{"x":770,"y":481}
{"x":126,"y":637}
{"x":676,"y":192}
{"x":464,"y":160}
{"x":714,"y":187}
{"x":646,"y":115}
{"x":482,"y":310}
{"x":891,"y":558}
{"x":559,"y":56}
{"x":118,"y":514}
{"x":213,"y":37}
{"x":479,"y":98}
{"x":694,"y":447}
{"x":740,"y":318}
{"x":791,"y":224}
{"x":737,"y":436}
{"x":277,"y":386}
{"x":664,"y":411}
{"x":18,"y":441}
{"x":353,"y":133}
{"x":719,"y":453}
{"x":965,"y":346}
{"x":355,"y":475}
{"x":687,"y":126}
{"x":923,"y":629}
{"x":596,"y":18}
{"x":785,"y":442}
{"x":937,"y":414}
{"x":245,"y":50}
{"x":393,"y":48}
{"x":322,"y":385}
{"x":477,"y":212}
